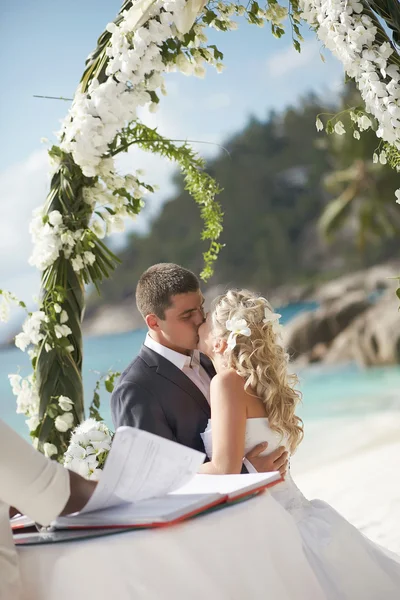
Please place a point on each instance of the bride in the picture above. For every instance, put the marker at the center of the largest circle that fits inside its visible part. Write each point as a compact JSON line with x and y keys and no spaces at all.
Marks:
{"x":253,"y":399}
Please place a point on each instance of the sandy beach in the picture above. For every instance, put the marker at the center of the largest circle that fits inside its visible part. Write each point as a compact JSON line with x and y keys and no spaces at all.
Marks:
{"x":354,"y":465}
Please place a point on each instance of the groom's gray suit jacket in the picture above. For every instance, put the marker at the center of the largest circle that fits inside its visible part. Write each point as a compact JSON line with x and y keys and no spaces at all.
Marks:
{"x":154,"y":395}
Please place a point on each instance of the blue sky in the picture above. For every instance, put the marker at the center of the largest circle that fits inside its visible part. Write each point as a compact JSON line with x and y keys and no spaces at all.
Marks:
{"x":45,"y":45}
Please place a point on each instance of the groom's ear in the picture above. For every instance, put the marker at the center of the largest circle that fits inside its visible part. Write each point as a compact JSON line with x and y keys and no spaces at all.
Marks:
{"x":152,"y":322}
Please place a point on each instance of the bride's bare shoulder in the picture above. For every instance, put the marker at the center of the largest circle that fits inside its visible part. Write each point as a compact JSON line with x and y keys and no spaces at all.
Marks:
{"x":227,"y":380}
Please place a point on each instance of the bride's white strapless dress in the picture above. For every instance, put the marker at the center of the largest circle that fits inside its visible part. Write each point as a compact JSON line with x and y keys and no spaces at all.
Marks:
{"x":348,"y":565}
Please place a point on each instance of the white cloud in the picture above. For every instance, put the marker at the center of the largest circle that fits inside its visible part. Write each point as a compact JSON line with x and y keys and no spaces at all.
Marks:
{"x":288,"y":60}
{"x":23,"y":186}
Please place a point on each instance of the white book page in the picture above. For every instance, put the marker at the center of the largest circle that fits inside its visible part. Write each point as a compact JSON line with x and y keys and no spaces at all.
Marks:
{"x":227,"y":484}
{"x":142,"y":465}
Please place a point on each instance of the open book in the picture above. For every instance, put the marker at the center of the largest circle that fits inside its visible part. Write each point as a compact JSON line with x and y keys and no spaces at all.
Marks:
{"x":150,"y":481}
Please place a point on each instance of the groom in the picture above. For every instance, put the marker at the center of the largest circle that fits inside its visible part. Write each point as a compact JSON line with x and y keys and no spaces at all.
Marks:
{"x":166,"y":388}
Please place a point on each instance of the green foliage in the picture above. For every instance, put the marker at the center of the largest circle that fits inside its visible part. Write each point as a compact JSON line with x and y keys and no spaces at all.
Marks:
{"x":364,"y":192}
{"x":198,"y":183}
{"x":108,"y":380}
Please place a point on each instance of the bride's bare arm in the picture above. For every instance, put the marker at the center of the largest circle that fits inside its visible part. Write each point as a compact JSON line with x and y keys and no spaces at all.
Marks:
{"x":228,"y":413}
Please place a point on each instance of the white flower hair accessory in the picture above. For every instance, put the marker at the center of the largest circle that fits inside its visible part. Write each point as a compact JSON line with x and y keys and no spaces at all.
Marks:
{"x":236,"y":327}
{"x":273,"y":318}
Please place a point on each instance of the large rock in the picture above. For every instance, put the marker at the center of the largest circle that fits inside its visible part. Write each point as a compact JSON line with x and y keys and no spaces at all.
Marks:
{"x":114,"y":318}
{"x":313,"y":331}
{"x":373,"y":338}
{"x":368,"y":281}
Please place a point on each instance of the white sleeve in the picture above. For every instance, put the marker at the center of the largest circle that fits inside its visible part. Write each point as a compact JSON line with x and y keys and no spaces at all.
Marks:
{"x":37,"y":486}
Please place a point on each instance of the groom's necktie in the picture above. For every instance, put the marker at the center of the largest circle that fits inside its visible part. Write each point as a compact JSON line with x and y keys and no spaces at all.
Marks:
{"x":196,"y":373}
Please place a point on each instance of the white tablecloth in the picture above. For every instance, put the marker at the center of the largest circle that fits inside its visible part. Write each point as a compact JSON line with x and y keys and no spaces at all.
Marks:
{"x":238,"y":553}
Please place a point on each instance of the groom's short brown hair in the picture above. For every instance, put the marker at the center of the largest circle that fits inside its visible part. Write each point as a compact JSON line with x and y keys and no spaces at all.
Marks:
{"x":159,"y":283}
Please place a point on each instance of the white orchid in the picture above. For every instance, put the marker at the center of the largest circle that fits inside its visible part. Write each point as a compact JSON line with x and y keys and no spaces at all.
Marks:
{"x":49,"y":449}
{"x":236,"y":327}
{"x":65,"y":403}
{"x":5,"y":300}
{"x":33,"y":422}
{"x":77,"y":264}
{"x":339,"y":128}
{"x":89,"y":446}
{"x":350,"y":34}
{"x":62,"y":331}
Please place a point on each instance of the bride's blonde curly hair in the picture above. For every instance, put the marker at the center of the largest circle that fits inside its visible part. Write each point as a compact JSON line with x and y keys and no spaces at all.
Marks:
{"x":261,"y":360}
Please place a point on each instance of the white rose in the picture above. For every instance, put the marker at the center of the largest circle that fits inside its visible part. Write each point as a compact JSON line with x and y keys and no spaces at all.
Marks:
{"x":199,"y":71}
{"x":15,"y":382}
{"x":115,"y":224}
{"x":89,"y":258}
{"x":49,"y":449}
{"x":63,"y":317}
{"x":67,"y":238}
{"x":77,"y":264}
{"x":64,"y":422}
{"x":184,"y":65}
{"x":99,"y":229}
{"x":55,"y":218}
{"x":62,"y":331}
{"x":57,"y":308}
{"x":65,"y":403}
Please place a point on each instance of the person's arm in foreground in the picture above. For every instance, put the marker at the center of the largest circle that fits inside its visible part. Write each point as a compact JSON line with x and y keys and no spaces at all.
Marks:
{"x":36,"y":486}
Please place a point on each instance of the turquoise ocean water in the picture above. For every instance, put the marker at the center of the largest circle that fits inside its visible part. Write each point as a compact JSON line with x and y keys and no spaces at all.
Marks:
{"x":328,"y":392}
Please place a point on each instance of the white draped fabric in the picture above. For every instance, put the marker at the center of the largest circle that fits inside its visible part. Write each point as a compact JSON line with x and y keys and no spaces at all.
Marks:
{"x":249,"y":551}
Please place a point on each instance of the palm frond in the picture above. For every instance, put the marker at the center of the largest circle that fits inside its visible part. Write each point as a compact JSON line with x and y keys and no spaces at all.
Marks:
{"x":389,"y":11}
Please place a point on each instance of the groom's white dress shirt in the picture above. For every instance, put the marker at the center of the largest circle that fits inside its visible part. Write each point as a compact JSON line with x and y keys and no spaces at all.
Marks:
{"x":189,"y":364}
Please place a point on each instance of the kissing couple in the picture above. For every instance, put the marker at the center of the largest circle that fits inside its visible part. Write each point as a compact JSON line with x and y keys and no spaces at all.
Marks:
{"x":220,"y":383}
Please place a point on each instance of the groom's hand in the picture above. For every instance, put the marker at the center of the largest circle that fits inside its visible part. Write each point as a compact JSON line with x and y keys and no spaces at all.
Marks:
{"x":276,"y":461}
